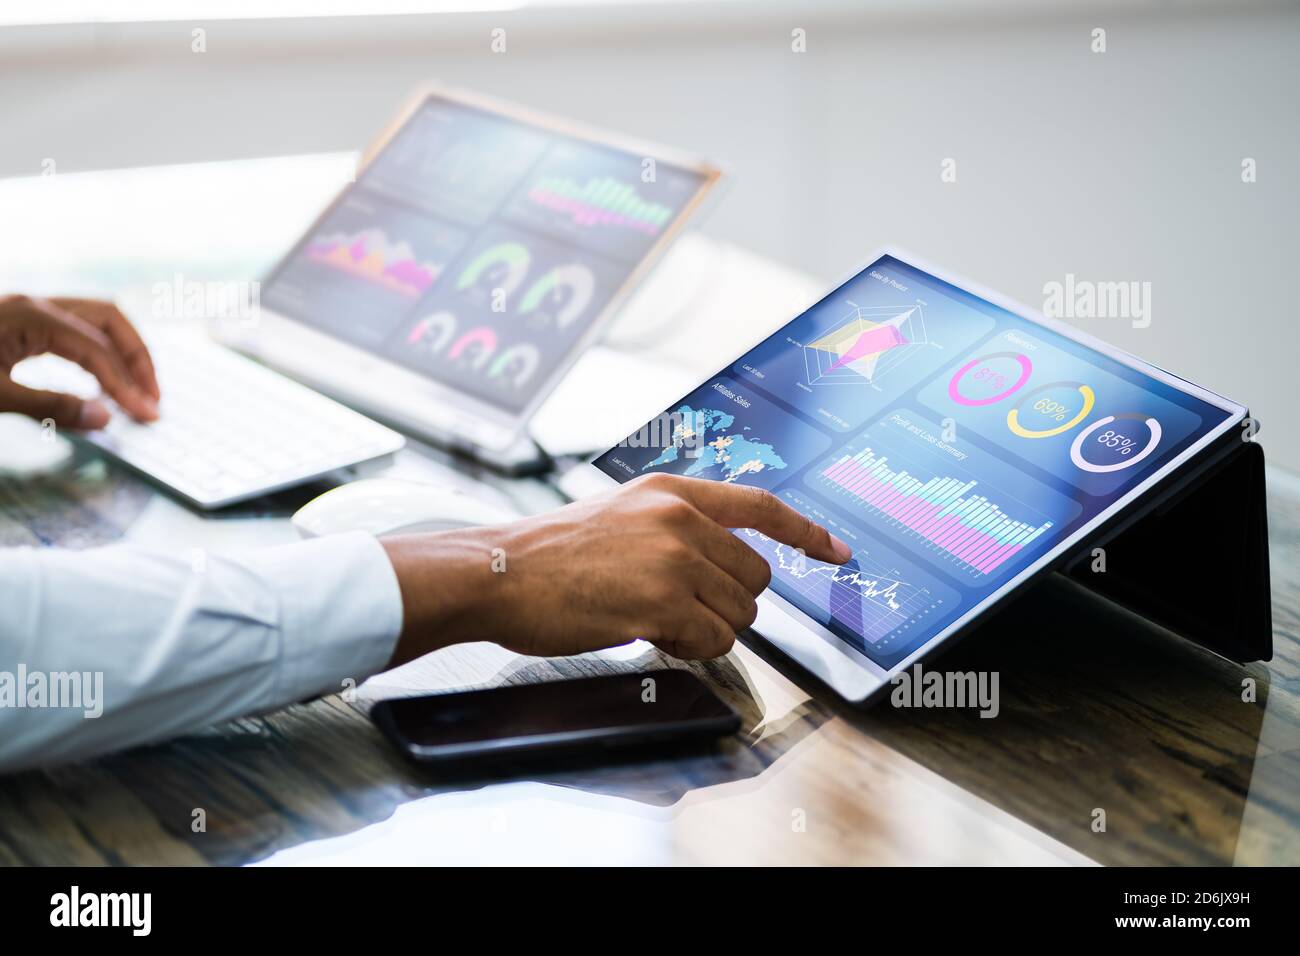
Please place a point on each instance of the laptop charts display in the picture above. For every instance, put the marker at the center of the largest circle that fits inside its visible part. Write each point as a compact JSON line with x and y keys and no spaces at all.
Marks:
{"x":480,"y":248}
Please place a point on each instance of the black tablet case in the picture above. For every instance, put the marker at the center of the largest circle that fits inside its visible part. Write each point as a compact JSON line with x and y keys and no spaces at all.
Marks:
{"x":1192,"y":556}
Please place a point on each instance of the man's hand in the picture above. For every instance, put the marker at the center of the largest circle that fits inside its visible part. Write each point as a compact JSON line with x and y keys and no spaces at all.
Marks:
{"x":652,"y":560}
{"x":93,"y":334}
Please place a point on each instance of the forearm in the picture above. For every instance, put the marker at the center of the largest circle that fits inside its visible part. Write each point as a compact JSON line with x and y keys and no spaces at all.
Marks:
{"x":177,"y":644}
{"x":452,"y":585}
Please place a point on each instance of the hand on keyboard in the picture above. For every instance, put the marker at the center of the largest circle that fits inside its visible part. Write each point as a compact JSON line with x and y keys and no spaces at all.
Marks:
{"x":91,"y":333}
{"x":229,"y":430}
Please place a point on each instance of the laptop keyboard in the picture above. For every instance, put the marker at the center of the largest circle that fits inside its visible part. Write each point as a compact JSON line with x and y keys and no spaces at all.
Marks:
{"x":228,"y":428}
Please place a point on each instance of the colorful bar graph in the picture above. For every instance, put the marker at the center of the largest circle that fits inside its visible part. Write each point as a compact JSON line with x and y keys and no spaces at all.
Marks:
{"x":601,"y":202}
{"x":948,"y":512}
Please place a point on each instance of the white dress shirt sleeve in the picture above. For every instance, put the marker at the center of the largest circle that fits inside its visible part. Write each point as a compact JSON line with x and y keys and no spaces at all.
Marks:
{"x":177,"y":643}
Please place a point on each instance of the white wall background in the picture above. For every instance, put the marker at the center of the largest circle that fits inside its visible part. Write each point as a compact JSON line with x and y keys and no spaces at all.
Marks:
{"x":1116,"y":166}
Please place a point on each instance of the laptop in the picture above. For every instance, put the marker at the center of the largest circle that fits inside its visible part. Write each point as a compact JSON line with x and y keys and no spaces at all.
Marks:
{"x":445,"y":292}
{"x":482,"y":247}
{"x":959,"y":443}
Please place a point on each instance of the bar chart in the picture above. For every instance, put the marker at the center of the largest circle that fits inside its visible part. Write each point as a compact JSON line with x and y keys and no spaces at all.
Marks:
{"x":601,"y":201}
{"x":947,"y":511}
{"x":966,"y":511}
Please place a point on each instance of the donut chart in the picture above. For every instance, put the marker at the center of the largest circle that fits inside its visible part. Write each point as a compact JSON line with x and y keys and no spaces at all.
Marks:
{"x":501,"y":266}
{"x":1114,"y":447}
{"x":1040,"y":404}
{"x":1002,"y":373}
{"x":565,"y":290}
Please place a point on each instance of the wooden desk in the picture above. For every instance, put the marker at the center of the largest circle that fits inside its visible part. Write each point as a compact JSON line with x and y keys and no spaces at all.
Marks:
{"x":1098,"y":709}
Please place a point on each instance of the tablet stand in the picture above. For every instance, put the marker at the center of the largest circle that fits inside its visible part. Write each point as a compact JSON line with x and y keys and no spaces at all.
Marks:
{"x":1194,"y":558}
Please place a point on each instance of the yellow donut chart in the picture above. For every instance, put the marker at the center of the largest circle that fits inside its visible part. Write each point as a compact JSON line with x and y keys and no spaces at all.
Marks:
{"x":1013,"y":418}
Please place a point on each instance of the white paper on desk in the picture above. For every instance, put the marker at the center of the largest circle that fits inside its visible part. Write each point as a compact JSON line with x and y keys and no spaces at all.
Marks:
{"x":606,"y":396}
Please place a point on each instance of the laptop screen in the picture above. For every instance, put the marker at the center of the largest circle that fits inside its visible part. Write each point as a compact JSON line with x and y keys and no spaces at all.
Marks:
{"x":476,"y":248}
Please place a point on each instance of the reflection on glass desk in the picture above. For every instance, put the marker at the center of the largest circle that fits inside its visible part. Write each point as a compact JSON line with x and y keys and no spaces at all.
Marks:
{"x":1099,"y":709}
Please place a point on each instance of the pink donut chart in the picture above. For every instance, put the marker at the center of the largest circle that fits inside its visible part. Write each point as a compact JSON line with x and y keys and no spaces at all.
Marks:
{"x":1025,"y":366}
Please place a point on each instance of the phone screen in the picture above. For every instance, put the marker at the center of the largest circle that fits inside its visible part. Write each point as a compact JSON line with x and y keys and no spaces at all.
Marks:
{"x":640,"y":706}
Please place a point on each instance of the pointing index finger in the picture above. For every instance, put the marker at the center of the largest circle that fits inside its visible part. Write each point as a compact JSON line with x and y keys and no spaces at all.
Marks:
{"x":743,"y":506}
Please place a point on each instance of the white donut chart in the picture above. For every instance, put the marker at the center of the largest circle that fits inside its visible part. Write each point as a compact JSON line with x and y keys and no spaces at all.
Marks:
{"x":1076,"y":450}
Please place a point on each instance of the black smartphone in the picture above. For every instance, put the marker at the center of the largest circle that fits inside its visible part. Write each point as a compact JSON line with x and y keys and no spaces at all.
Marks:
{"x":556,"y":719}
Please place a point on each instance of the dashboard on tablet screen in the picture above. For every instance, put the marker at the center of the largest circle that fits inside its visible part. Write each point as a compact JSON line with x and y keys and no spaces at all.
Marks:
{"x":477,"y":248}
{"x":948,"y":441}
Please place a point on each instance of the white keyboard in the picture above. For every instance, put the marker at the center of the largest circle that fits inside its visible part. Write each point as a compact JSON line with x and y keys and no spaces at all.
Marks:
{"x":229,"y":429}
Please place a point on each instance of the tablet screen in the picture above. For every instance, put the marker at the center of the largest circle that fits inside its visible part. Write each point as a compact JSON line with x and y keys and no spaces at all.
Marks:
{"x":948,"y":441}
{"x":477,"y":249}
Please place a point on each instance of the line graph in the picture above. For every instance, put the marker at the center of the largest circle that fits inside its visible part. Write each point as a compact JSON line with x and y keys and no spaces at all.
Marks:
{"x":873,"y":601}
{"x":876,"y":587}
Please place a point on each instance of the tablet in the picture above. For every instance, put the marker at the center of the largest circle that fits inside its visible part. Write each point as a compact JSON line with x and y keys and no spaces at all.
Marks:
{"x":957,"y":442}
{"x":480,"y":248}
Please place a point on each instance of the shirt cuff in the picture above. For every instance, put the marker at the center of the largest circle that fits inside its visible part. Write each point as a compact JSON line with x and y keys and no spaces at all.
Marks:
{"x":340,"y":611}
